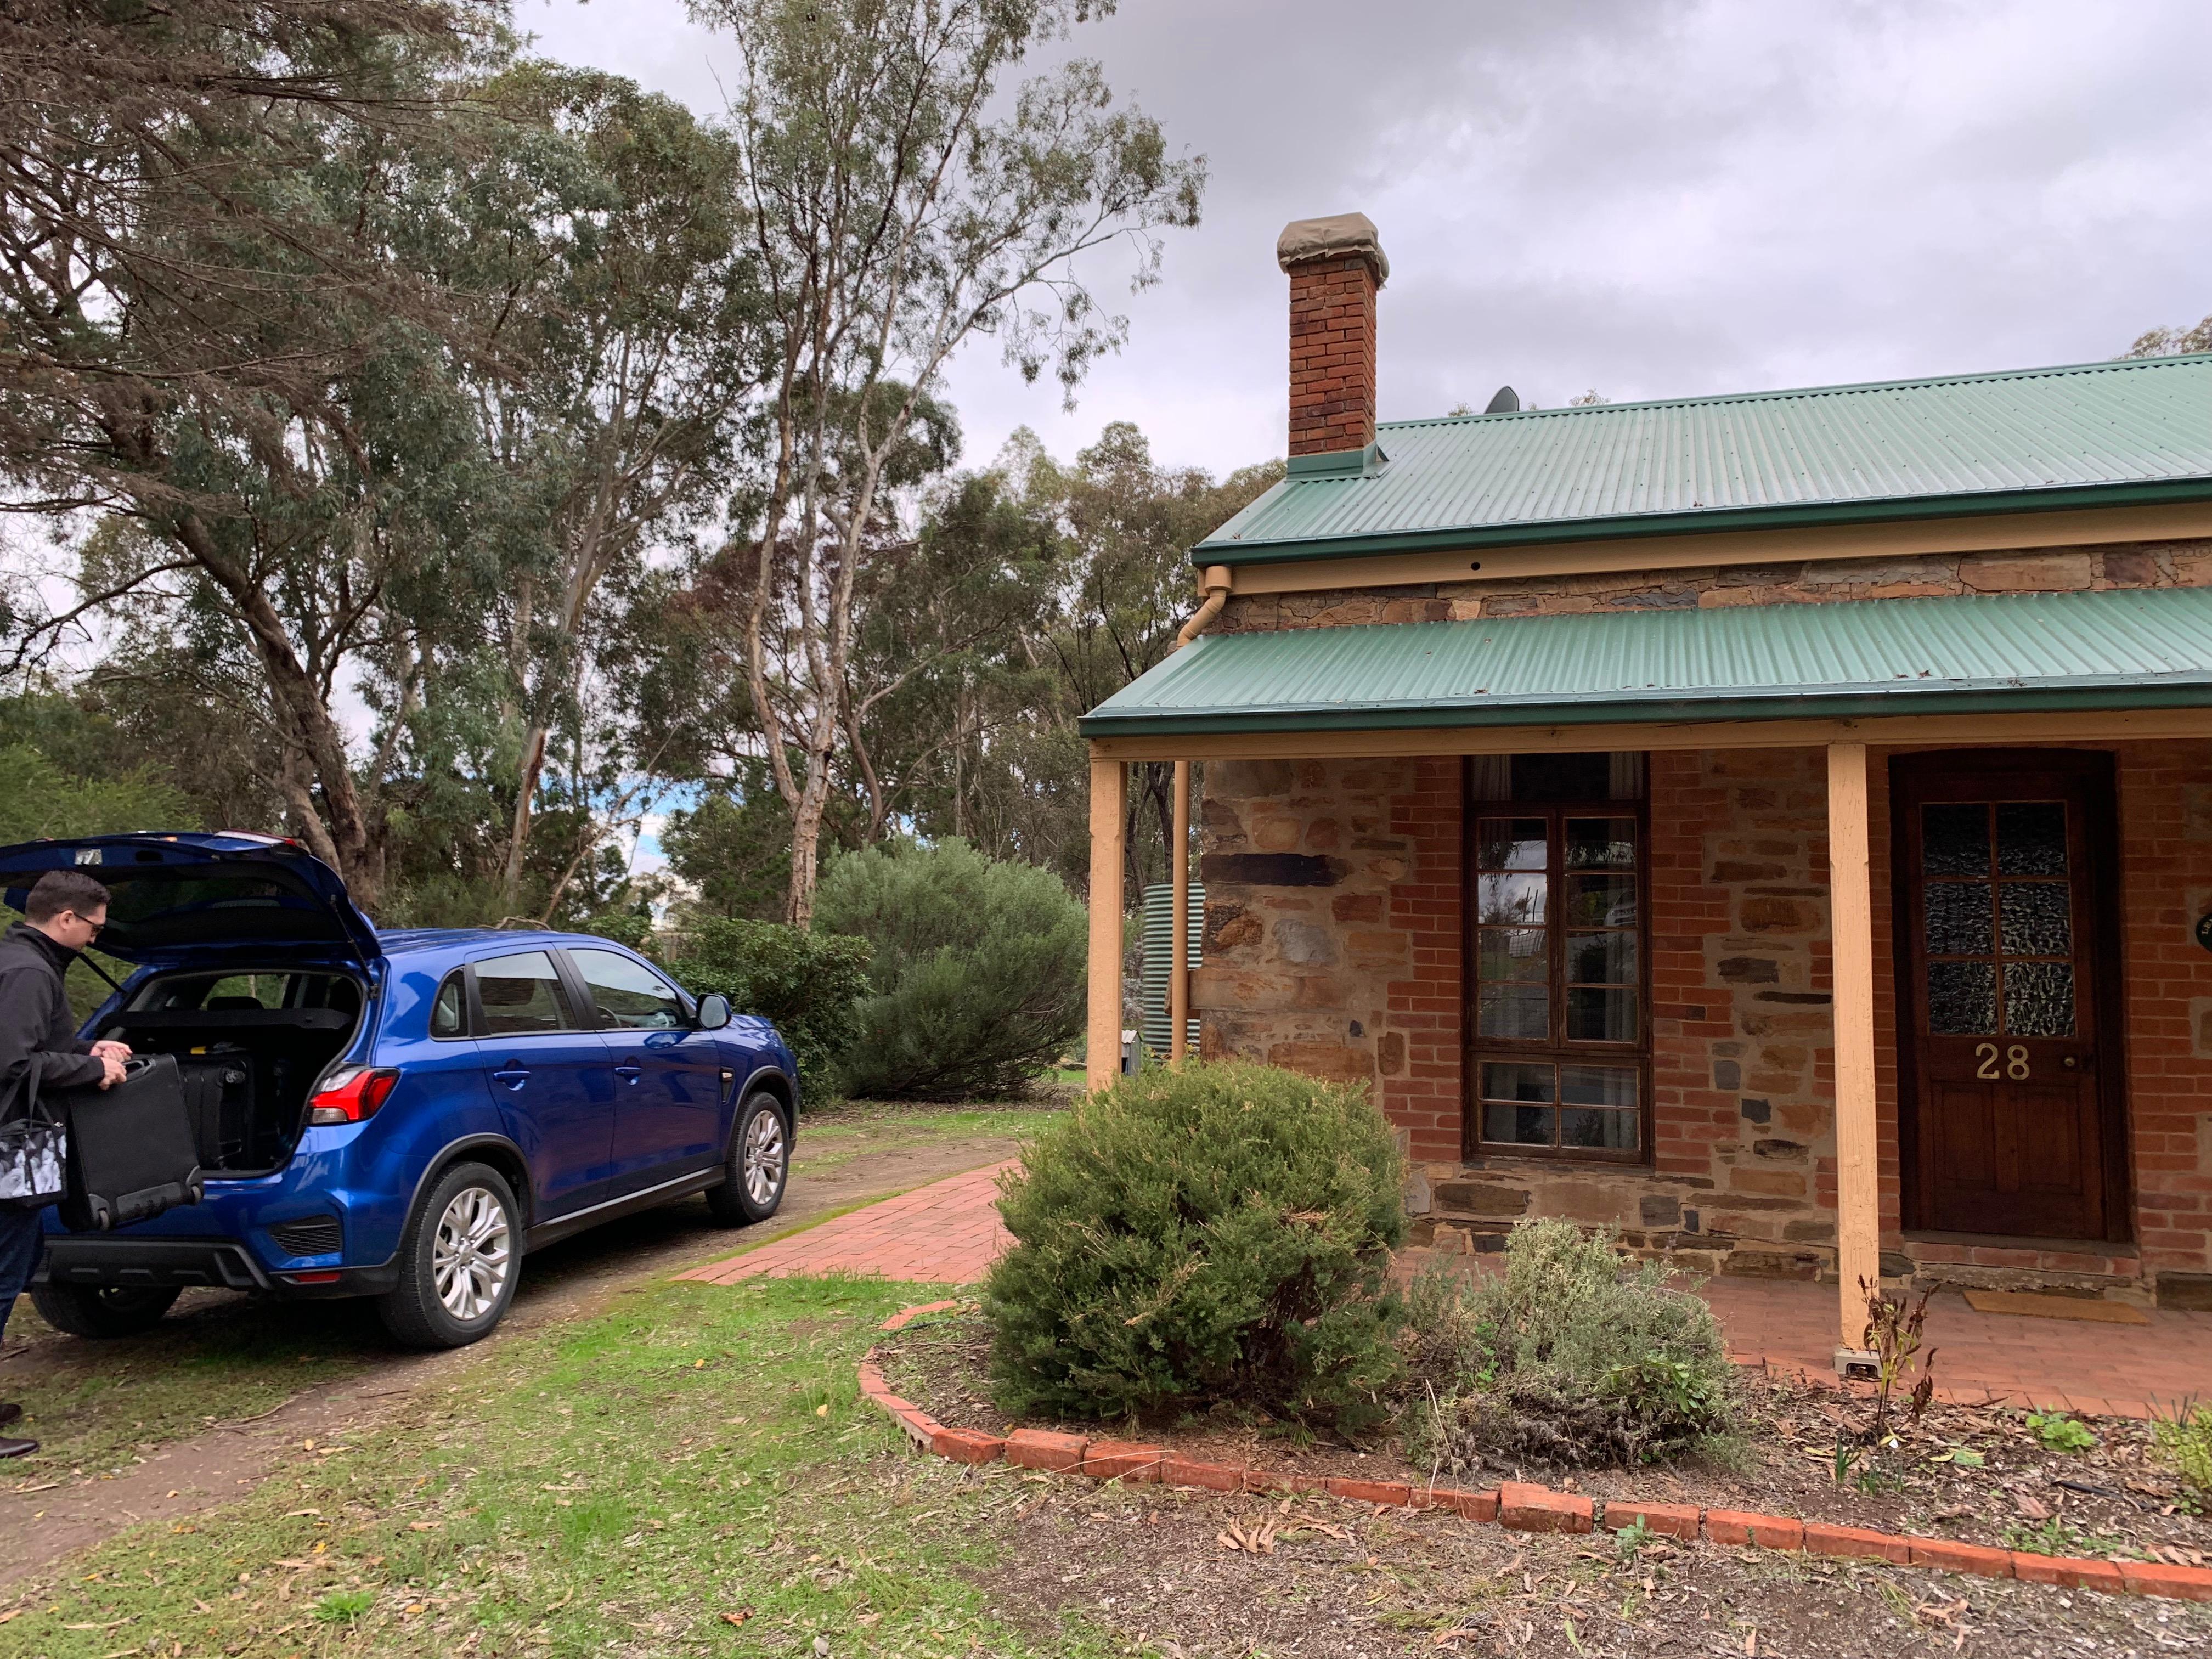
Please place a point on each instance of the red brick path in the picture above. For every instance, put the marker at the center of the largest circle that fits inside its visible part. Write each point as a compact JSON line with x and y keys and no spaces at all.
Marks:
{"x":948,"y":1233}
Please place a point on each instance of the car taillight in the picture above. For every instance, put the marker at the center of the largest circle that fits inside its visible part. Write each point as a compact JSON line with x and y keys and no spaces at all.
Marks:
{"x":350,"y":1095}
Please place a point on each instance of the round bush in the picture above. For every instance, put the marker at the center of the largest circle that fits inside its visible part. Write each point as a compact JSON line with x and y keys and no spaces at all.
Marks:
{"x":810,"y":984}
{"x":1217,"y":1233}
{"x":977,"y":972}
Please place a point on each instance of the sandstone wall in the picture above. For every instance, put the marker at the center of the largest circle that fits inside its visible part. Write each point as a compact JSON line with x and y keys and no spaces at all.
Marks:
{"x":2031,"y":570}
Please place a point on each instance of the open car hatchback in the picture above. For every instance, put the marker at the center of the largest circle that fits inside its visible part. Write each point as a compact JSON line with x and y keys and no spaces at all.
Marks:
{"x":396,"y":1114}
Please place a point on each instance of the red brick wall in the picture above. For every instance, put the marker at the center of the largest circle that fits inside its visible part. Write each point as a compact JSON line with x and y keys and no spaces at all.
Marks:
{"x":1332,"y":355}
{"x":2165,"y":871}
{"x":1426,"y":1008}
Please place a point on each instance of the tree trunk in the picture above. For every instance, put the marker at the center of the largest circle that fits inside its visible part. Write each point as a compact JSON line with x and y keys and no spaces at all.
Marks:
{"x":301,"y":709}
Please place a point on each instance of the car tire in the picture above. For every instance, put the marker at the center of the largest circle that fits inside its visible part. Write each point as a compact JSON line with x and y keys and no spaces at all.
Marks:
{"x":102,"y":1310}
{"x":759,"y":1163}
{"x":458,"y":1263}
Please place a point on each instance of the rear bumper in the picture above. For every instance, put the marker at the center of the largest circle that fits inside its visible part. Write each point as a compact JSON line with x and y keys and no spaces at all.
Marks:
{"x":143,"y":1263}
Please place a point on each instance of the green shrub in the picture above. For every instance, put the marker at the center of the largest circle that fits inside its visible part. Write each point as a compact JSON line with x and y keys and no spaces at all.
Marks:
{"x":1218,"y":1233}
{"x":978,"y":972}
{"x":2184,"y":1440}
{"x":1563,"y":1357}
{"x":810,"y":984}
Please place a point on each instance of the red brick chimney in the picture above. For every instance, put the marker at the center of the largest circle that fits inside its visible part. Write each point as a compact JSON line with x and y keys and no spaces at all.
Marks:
{"x":1336,"y":267}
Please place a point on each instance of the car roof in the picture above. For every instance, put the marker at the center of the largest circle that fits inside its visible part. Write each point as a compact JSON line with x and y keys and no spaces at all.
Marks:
{"x":411,"y":941}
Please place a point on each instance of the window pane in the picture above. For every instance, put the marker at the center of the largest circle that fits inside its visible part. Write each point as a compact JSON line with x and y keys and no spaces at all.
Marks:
{"x":1600,"y":1014}
{"x":629,"y":994}
{"x":1598,"y":1086}
{"x":1510,"y":844}
{"x":1511,"y":898}
{"x":1509,"y":1081}
{"x":1518,"y":1126}
{"x":447,"y":1012}
{"x":1601,"y":958}
{"x":2039,"y":999}
{"x":2038,"y":919}
{"x":1962,"y":998}
{"x":1601,"y":843}
{"x":1958,"y":918}
{"x":1563,"y":777}
{"x":1519,"y":1013}
{"x":520,"y":994}
{"x":2032,"y":838}
{"x":1955,"y":839}
{"x":1601,"y":900}
{"x":1504,"y":953}
{"x":1612,"y":1131}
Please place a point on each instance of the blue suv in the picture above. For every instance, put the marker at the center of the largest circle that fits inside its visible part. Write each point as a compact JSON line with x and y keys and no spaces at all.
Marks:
{"x":396,"y":1114}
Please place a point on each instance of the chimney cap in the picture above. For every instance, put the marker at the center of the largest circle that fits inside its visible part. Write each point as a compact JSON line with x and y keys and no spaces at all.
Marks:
{"x":1334,"y":237}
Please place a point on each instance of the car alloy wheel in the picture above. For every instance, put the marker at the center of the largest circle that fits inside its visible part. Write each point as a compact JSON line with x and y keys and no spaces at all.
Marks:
{"x":471,"y":1256}
{"x":765,"y":1156}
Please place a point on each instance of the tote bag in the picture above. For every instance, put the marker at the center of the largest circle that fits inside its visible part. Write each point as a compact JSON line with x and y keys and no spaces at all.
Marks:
{"x":34,"y":1151}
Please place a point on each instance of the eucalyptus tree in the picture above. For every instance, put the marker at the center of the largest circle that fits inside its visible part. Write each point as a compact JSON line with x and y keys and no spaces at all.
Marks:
{"x":902,"y":200}
{"x":204,"y":332}
{"x":619,"y":308}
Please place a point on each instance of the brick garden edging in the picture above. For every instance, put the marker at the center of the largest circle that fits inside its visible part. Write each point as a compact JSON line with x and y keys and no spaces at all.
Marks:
{"x":1522,"y":1507}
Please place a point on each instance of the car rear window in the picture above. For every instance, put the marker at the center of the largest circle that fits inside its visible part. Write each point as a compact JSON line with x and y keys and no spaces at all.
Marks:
{"x":449,"y":1013}
{"x":520,"y":993}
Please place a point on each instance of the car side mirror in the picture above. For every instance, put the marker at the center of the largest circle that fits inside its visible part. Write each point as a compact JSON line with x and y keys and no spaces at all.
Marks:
{"x":714,"y":1012}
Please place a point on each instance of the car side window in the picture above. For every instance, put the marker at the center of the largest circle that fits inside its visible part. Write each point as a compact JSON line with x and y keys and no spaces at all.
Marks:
{"x":520,"y":993}
{"x":449,"y":1014}
{"x":629,"y":994}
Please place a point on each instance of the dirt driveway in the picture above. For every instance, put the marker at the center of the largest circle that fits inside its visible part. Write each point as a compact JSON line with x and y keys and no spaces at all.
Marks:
{"x":60,"y":1509}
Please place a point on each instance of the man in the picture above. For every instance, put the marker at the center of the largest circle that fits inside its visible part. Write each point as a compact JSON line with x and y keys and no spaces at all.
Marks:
{"x":65,"y":914}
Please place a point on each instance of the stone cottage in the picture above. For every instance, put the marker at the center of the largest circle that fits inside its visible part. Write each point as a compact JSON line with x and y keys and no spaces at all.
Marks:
{"x":1779,"y":825}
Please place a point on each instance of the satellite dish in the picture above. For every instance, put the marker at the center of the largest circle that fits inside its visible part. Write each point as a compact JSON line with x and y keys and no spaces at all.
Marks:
{"x":1504,"y":401}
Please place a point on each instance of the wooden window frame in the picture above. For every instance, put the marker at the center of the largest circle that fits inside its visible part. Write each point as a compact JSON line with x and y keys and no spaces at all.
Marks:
{"x":1555,"y":1050}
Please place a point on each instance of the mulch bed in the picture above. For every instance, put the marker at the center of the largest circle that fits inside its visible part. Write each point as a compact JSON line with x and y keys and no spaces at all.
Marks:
{"x":1161,"y":1571}
{"x":2116,"y":1498}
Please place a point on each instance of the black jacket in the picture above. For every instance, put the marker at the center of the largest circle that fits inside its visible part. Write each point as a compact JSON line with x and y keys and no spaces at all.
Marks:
{"x":35,"y":1018}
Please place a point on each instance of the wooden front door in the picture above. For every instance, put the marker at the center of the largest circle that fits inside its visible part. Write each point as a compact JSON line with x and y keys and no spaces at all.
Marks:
{"x":2008,"y":1007}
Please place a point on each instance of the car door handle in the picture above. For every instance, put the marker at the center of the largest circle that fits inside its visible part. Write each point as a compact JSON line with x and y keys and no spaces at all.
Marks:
{"x":631,"y":1071}
{"x":514,"y":1074}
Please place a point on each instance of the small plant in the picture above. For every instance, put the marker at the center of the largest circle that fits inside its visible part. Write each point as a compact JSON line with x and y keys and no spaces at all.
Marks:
{"x":2056,"y":1537}
{"x":2184,"y":1440}
{"x":1632,"y":1537}
{"x":1892,"y":1333}
{"x":1568,"y":1356}
{"x":1847,"y":1457}
{"x":2060,"y":1433}
{"x":344,"y":1607}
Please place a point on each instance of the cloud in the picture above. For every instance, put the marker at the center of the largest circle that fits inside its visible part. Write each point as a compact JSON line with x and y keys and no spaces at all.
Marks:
{"x":1651,"y":197}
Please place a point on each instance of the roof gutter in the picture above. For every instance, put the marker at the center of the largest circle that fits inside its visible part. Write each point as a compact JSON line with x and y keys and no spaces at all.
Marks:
{"x":1670,"y":708}
{"x":1631,"y":527}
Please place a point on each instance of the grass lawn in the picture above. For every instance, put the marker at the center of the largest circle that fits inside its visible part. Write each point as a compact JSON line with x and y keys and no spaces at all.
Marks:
{"x":832,"y":1135}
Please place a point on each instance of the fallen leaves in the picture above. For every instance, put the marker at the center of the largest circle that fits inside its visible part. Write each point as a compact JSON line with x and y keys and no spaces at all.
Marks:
{"x":1261,"y":1541}
{"x":737,"y":1617}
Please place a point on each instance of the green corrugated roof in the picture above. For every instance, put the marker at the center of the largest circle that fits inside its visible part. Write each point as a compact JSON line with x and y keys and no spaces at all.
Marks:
{"x":2096,"y":434}
{"x":2141,"y":648}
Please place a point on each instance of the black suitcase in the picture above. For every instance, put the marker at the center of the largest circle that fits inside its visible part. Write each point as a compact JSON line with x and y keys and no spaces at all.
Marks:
{"x":131,"y":1151}
{"x":219,"y":1105}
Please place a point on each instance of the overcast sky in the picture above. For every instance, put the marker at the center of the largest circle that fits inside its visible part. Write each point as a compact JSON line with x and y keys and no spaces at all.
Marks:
{"x":1650,"y":197}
